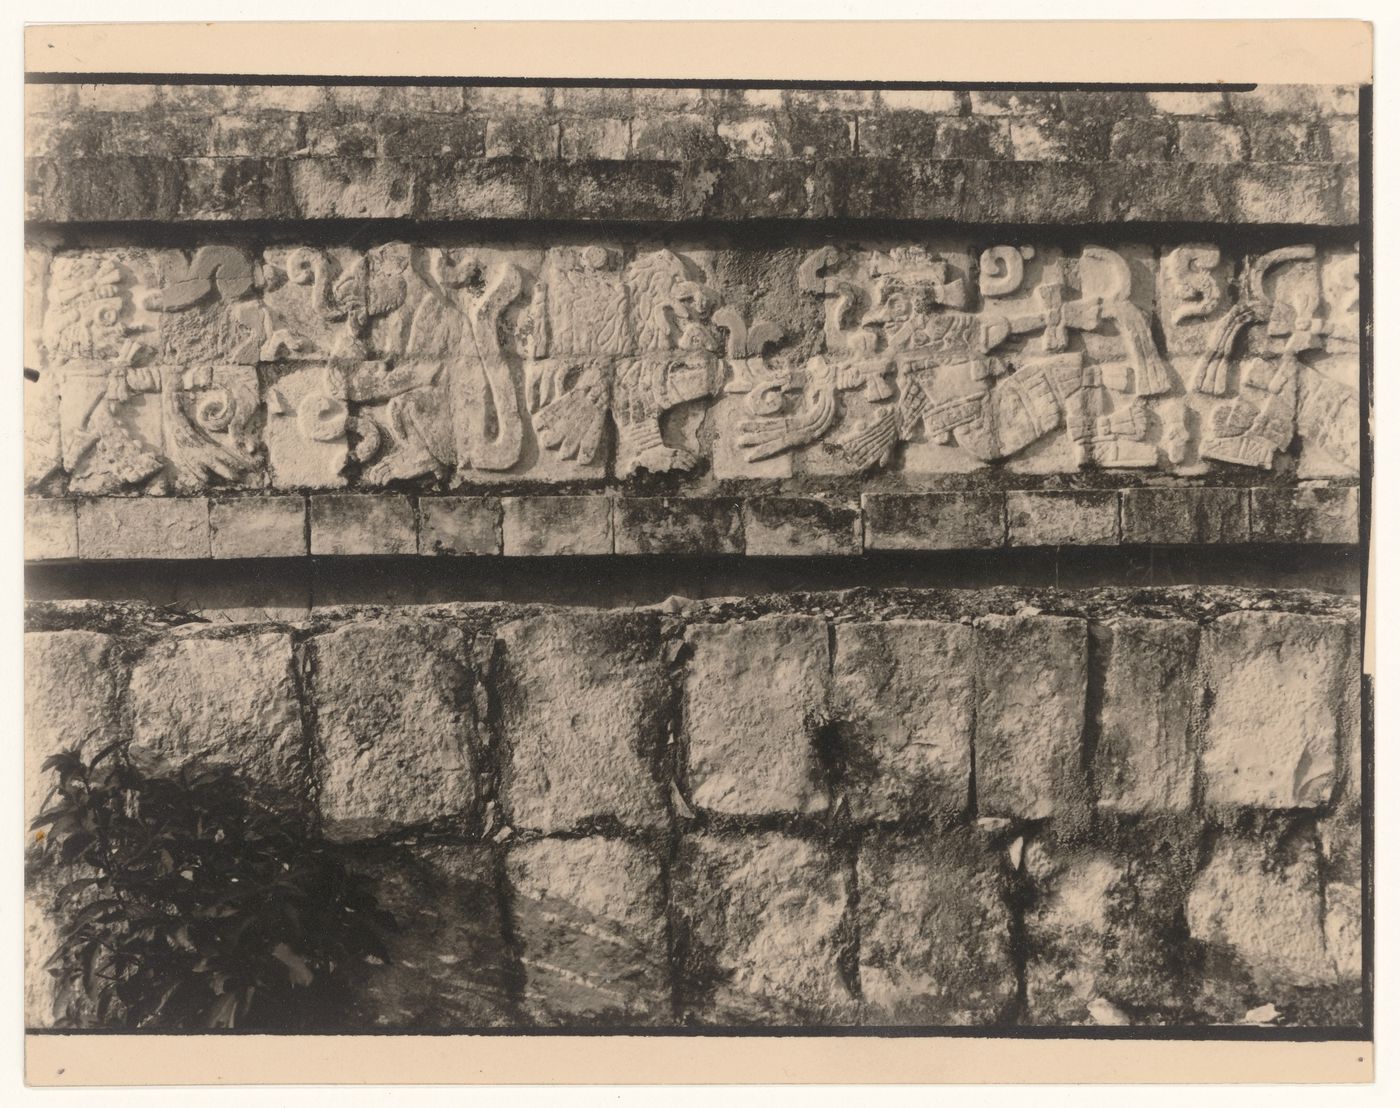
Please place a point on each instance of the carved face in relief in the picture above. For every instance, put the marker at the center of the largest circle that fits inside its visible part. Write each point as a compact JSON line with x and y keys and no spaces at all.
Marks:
{"x":85,"y":317}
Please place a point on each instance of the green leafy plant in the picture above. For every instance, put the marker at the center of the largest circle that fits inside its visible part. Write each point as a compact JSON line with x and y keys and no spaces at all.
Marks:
{"x":189,"y":901}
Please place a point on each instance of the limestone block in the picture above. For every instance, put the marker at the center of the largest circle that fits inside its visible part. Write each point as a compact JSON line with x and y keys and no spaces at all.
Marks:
{"x":73,"y":685}
{"x":1102,"y":930}
{"x":1271,"y":736}
{"x":1186,"y":516}
{"x":459,"y":525}
{"x":352,"y":188}
{"x":1043,"y":518}
{"x":589,"y":916}
{"x":935,"y":931}
{"x":544,"y":525}
{"x":1339,"y":839}
{"x":43,"y":452}
{"x":305,"y":430}
{"x":1032,"y":673}
{"x":1257,"y":908}
{"x":448,"y":965}
{"x":396,"y":744}
{"x":755,"y":694}
{"x":131,"y":527}
{"x":777,"y":526}
{"x":355,"y":523}
{"x":679,"y":525}
{"x":228,"y":701}
{"x":584,"y":697}
{"x":904,"y":693}
{"x":1304,"y":515}
{"x":773,"y":948}
{"x":258,"y":527}
{"x":1145,"y":756}
{"x":933,"y":521}
{"x":50,"y":530}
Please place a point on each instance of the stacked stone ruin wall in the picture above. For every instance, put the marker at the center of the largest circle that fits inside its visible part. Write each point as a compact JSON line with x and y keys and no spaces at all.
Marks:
{"x":313,"y":364}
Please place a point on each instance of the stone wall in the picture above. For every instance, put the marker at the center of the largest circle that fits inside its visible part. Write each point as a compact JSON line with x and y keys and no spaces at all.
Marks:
{"x":873,"y":808}
{"x":300,"y":359}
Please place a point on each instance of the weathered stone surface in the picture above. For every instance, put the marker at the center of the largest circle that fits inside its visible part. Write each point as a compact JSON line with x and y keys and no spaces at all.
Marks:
{"x":1144,"y":754}
{"x":73,"y":685}
{"x":935,"y":931}
{"x":1257,"y":907}
{"x":1304,"y":515}
{"x":350,"y":524}
{"x":933,"y":521}
{"x":589,"y":916}
{"x":136,"y":528}
{"x":448,"y":965}
{"x":1271,"y":735}
{"x":679,"y":525}
{"x":1102,"y":930}
{"x":1185,"y":516}
{"x":223,"y":700}
{"x":1043,"y":518}
{"x":459,"y":525}
{"x":50,"y":530}
{"x":273,"y":527}
{"x":1339,"y":840}
{"x":584,"y":697}
{"x":903,"y":696}
{"x":774,"y":946}
{"x":790,"y":525}
{"x":755,"y":695}
{"x":1032,"y":682}
{"x":396,"y":738}
{"x":535,"y":525}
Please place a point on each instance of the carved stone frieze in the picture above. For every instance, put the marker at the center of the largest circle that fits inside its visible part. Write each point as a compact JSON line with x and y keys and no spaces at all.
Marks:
{"x":451,"y":366}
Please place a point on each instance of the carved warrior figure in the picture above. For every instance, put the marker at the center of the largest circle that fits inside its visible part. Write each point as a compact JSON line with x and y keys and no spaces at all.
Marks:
{"x":103,"y":361}
{"x":638,"y":342}
{"x":1262,"y":418}
{"x":917,"y":330}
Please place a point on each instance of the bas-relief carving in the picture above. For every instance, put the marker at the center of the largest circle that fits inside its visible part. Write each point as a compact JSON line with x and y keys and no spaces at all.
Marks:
{"x":178,"y":370}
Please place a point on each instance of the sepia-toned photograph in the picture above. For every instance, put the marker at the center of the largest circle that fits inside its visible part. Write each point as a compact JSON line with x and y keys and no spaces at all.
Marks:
{"x":756,"y":557}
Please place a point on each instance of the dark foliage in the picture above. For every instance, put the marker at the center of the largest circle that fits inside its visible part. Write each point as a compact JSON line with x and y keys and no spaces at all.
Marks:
{"x":190,"y":902}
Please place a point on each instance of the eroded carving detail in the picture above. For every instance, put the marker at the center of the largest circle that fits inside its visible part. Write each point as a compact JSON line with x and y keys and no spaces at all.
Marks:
{"x":311,"y":366}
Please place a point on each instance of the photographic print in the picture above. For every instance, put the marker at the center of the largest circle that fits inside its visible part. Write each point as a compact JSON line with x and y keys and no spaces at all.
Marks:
{"x":751,"y":557}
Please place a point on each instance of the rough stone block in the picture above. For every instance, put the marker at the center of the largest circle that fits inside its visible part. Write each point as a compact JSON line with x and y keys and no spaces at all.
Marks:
{"x":589,"y":916}
{"x":1288,"y":515}
{"x":774,"y":948}
{"x":1188,"y":516}
{"x":1256,"y":906}
{"x":1339,"y":836}
{"x":1033,"y":673}
{"x":50,"y":530}
{"x":903,"y":696}
{"x":1188,"y":103}
{"x":584,"y":697}
{"x":921,"y":100}
{"x":396,"y":745}
{"x":544,"y":525}
{"x":933,"y":521}
{"x":73,"y":685}
{"x":935,"y":931}
{"x":459,"y":525}
{"x":224,"y":701}
{"x":1102,"y":932}
{"x":1203,"y":140}
{"x":1145,"y":756}
{"x":595,"y":138}
{"x":755,"y":696}
{"x":682,"y":137}
{"x":359,"y":523}
{"x":258,"y":527}
{"x":448,"y":965}
{"x":1044,"y":518}
{"x":155,"y":527}
{"x":352,"y":188}
{"x":678,"y":525}
{"x":1271,"y":735}
{"x":790,"y":525}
